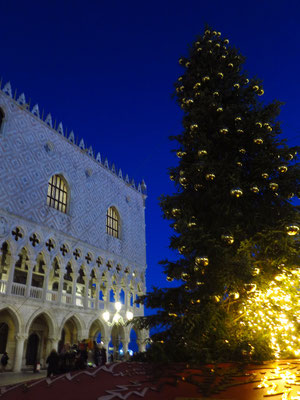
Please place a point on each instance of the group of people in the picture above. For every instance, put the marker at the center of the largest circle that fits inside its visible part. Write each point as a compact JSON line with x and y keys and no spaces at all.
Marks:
{"x":77,"y":356}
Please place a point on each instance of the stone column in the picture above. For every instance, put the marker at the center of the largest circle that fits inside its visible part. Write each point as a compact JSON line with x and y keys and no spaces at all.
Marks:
{"x":74,"y":286}
{"x":13,"y":260}
{"x":52,"y":344}
{"x":61,"y":284}
{"x":29,"y":278}
{"x":97,"y":290}
{"x":20,"y":339}
{"x":45,"y":285}
{"x":86,"y":292}
{"x":142,"y":345}
{"x":126,"y":299}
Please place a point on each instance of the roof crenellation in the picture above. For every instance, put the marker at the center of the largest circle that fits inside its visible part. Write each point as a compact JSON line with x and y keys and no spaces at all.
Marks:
{"x":21,"y":101}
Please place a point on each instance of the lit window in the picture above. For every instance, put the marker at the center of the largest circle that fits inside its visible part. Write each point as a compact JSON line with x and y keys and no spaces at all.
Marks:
{"x":112,"y":222}
{"x":57,"y":195}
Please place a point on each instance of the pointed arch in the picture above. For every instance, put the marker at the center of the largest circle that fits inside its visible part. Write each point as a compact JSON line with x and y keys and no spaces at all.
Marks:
{"x":16,"y":317}
{"x":48,"y":317}
{"x":78,"y":322}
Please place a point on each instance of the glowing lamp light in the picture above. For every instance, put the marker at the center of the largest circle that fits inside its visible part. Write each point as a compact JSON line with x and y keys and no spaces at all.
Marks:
{"x":106,"y":316}
{"x":129,"y":315}
{"x":116,"y":318}
{"x":118,"y":306}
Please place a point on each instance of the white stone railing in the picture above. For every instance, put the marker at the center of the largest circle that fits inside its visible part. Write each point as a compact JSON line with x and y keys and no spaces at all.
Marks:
{"x":101,"y":305}
{"x":18,"y":289}
{"x":79,"y":301}
{"x":36,"y":293}
{"x":52,"y":296}
{"x":66,"y":298}
{"x":91,"y":303}
{"x":3,"y":285}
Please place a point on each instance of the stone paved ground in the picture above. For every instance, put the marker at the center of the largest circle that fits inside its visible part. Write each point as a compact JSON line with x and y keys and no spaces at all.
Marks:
{"x":10,"y":378}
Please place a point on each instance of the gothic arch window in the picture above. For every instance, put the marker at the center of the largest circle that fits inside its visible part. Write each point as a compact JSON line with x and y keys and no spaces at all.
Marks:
{"x":113,"y":222}
{"x":57,"y":195}
{"x":2,"y":116}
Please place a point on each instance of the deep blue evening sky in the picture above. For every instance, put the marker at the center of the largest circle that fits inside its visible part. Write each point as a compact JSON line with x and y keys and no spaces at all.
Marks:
{"x":106,"y":70}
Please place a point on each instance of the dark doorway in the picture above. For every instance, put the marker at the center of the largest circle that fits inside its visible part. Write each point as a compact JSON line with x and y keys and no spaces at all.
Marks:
{"x":3,"y":336}
{"x":32,"y":349}
{"x":61,"y":343}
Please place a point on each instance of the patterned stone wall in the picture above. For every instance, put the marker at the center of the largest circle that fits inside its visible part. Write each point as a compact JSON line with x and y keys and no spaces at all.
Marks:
{"x":31,"y":152}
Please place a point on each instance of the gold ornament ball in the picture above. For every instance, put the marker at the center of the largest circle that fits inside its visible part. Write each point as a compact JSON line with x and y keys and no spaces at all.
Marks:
{"x":224,"y":131}
{"x":258,"y":141}
{"x":282,"y":169}
{"x":259,"y":124}
{"x":292,"y":230}
{"x":175,"y":211}
{"x":254,"y":189}
{"x":202,"y":153}
{"x":184,"y":276}
{"x":219,"y":33}
{"x":242,"y":151}
{"x":236,"y":86}
{"x":210,"y":177}
{"x":215,"y":93}
{"x":246,"y":81}
{"x":236,"y":192}
{"x":239,"y":164}
{"x":255,"y":88}
{"x":260,"y":92}
{"x":205,"y":78}
{"x":273,"y":186}
{"x":217,"y":45}
{"x":181,"y":249}
{"x":289,"y":156}
{"x":226,"y":41}
{"x":265,"y":175}
{"x":187,"y":64}
{"x":199,"y":49}
{"x":181,"y":172}
{"x":197,"y":94}
{"x":197,"y":85}
{"x":182,"y":181}
{"x":203,"y":261}
{"x":181,"y":88}
{"x":180,"y":61}
{"x":219,"y":109}
{"x":240,"y":131}
{"x":194,"y":127}
{"x":220,"y":75}
{"x":197,"y":43}
{"x":223,"y":56}
{"x":214,"y":33}
{"x":172,"y":177}
{"x":228,"y":239}
{"x":230,"y":65}
{"x":180,"y":78}
{"x":207,"y":32}
{"x":169,"y":279}
{"x":209,"y":41}
{"x":238,"y":119}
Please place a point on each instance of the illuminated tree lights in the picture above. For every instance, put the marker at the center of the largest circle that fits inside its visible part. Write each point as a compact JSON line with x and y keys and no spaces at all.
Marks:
{"x":275,"y":313}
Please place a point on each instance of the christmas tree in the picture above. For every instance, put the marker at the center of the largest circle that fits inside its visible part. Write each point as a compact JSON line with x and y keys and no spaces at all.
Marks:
{"x":235,"y":222}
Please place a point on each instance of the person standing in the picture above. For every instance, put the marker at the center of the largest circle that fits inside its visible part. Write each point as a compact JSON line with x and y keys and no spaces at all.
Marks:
{"x":52,"y":362}
{"x":4,"y":361}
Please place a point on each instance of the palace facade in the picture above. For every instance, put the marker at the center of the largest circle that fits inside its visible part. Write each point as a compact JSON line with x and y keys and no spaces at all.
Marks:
{"x":72,"y":240}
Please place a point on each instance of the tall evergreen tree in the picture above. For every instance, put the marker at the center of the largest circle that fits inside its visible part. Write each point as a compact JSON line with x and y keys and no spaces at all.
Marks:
{"x":235,"y":225}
